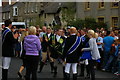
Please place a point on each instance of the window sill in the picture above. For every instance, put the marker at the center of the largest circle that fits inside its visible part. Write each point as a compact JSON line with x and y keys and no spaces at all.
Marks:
{"x":102,"y":8}
{"x":87,"y":9}
{"x":114,"y":7}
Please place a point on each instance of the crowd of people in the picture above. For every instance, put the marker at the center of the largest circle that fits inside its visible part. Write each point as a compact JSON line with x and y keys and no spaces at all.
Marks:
{"x":77,"y":48}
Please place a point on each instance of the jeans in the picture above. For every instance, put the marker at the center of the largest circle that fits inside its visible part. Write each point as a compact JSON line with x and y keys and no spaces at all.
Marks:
{"x":106,"y":57}
{"x":110,"y":60}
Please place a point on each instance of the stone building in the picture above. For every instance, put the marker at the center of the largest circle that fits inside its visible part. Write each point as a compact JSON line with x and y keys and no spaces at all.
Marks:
{"x":107,"y":12}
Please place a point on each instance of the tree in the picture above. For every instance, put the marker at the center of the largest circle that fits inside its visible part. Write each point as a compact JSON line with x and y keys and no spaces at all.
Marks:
{"x":68,"y":13}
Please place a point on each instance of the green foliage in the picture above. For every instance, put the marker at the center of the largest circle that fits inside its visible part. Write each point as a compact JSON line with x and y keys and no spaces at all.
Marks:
{"x":88,"y":23}
{"x":68,"y":12}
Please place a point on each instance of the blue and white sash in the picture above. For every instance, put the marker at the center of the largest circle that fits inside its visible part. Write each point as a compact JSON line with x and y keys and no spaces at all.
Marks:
{"x":4,"y":34}
{"x":75,"y":45}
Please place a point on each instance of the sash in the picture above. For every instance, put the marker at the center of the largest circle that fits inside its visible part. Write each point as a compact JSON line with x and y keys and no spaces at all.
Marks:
{"x":4,"y":34}
{"x":75,"y":45}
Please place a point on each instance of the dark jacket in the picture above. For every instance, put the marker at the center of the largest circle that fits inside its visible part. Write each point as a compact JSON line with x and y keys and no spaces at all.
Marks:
{"x":8,"y":44}
{"x":57,"y":49}
{"x":44,"y":43}
{"x":74,"y":56}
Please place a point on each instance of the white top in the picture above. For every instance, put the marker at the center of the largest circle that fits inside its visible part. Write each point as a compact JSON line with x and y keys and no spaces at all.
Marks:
{"x":93,"y":48}
{"x":49,"y":35}
{"x":41,"y":34}
{"x":58,"y":38}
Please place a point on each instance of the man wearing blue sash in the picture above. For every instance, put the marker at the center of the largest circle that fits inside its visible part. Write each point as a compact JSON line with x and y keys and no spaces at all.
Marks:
{"x":71,"y":54}
{"x":8,"y":41}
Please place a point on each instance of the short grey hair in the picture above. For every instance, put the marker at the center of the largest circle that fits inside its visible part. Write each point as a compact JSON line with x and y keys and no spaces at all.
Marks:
{"x":32,"y":30}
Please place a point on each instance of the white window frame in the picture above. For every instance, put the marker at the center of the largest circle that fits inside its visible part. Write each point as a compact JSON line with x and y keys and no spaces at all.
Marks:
{"x":3,"y":15}
{"x":14,"y":12}
{"x":36,"y":7}
{"x":9,"y":15}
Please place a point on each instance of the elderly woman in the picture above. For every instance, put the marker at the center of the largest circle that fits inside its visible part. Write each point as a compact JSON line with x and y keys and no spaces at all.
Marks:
{"x":92,"y":52}
{"x":32,"y":47}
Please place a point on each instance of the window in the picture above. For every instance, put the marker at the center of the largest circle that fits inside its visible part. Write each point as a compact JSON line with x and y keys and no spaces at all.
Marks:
{"x":9,"y":15}
{"x":45,"y":15}
{"x":114,"y":21}
{"x":101,"y":4}
{"x":15,"y":11}
{"x":25,"y":9}
{"x":100,"y":19}
{"x":32,"y":7}
{"x":87,"y":5}
{"x":114,"y":4}
{"x":36,"y":7}
{"x":28,"y":7}
{"x":3,"y":15}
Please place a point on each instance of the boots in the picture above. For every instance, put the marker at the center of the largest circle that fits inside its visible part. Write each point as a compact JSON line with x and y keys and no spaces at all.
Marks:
{"x":4,"y":74}
{"x":82,"y":70}
{"x":67,"y":76}
{"x":55,"y":71}
{"x":74,"y":76}
{"x":41,"y":66}
{"x":52,"y":67}
{"x":88,"y":72}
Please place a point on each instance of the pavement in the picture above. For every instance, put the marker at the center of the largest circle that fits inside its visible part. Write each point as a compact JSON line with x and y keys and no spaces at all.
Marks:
{"x":45,"y":74}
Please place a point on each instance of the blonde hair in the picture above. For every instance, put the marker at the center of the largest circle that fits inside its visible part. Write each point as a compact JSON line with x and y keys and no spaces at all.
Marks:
{"x":23,"y":35}
{"x":92,"y":33}
{"x":96,"y":35}
{"x":73,"y":30}
{"x":32,"y":30}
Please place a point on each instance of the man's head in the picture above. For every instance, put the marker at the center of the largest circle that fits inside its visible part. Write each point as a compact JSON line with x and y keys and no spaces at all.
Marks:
{"x":108,"y":33}
{"x":83,"y":31}
{"x":8,"y":23}
{"x":73,"y":30}
{"x":3,"y":26}
{"x":59,"y":32}
{"x":49,"y":30}
{"x":44,"y":28}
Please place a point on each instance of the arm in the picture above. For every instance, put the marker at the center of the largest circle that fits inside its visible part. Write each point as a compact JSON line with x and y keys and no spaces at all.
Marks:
{"x":10,"y":38}
{"x":90,"y":44}
{"x":38,"y":44}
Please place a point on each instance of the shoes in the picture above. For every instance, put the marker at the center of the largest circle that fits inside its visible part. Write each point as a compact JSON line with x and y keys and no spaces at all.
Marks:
{"x":103,"y":70}
{"x":116,"y":73}
{"x":19,"y":75}
{"x":87,"y":76}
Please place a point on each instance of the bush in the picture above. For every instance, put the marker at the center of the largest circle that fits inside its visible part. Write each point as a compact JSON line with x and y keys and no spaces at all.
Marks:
{"x":88,"y":23}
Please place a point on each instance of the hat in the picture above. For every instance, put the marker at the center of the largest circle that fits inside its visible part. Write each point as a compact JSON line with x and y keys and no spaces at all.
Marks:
{"x":68,"y":27}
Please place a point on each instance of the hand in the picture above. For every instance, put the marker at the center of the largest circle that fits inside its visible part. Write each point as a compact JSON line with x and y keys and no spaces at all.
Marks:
{"x":82,"y":50}
{"x":46,"y":40}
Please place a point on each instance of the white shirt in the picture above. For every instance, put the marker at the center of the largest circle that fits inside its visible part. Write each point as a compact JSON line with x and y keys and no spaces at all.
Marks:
{"x":49,"y":35}
{"x":73,"y":34}
{"x":58,"y":38}
{"x":8,"y":28}
{"x":41,"y":34}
